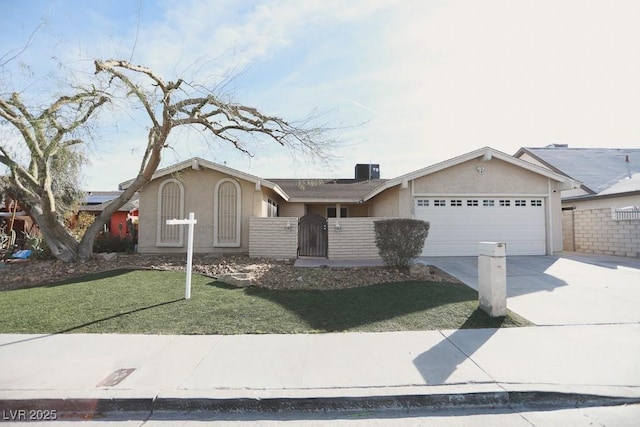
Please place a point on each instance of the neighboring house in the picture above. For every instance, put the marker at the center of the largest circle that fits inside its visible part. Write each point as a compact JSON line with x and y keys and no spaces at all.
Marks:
{"x":603,"y":214}
{"x":610,"y":176}
{"x":15,"y":223}
{"x":485,"y":195}
{"x":95,"y":203}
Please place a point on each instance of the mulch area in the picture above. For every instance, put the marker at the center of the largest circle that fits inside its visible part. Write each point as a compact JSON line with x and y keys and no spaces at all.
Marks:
{"x":265,"y":273}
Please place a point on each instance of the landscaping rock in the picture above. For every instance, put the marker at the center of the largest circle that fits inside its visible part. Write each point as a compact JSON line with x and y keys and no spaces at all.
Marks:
{"x":106,"y":256}
{"x":239,"y":280}
{"x":419,"y":271}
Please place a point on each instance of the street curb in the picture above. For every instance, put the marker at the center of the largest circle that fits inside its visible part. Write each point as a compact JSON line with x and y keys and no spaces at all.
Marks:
{"x":143,"y":408}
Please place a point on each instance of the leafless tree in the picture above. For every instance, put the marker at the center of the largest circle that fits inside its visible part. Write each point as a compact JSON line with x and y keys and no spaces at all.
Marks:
{"x":168,"y":105}
{"x":50,"y":140}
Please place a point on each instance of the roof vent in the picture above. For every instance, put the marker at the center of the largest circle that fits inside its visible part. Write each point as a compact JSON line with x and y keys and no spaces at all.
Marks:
{"x":367,"y":171}
{"x":558,"y":146}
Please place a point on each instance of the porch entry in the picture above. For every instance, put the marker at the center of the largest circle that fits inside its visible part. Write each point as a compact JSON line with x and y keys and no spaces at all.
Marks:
{"x":312,"y":236}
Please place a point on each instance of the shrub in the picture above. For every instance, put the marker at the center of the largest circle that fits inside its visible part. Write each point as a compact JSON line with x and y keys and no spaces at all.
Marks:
{"x":38,"y":246}
{"x":400,"y":241}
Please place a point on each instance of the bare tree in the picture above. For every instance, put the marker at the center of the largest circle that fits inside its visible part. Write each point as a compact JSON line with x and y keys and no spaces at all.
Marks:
{"x":46,"y":183}
{"x":168,"y":105}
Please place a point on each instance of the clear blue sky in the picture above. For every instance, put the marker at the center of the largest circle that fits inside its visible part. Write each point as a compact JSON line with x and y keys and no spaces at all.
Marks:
{"x":410,"y":82}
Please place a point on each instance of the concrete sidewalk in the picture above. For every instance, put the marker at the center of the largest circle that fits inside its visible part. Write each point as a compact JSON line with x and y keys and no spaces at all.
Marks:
{"x":85,"y":375}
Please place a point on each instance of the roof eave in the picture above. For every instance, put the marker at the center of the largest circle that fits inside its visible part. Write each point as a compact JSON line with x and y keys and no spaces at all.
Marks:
{"x":324,"y":200}
{"x":586,"y":197}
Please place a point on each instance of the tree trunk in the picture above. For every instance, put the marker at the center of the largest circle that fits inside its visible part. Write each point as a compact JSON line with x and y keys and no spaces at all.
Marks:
{"x":62,"y":244}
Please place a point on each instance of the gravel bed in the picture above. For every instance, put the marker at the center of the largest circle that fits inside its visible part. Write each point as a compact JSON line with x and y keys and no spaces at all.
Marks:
{"x":265,"y":273}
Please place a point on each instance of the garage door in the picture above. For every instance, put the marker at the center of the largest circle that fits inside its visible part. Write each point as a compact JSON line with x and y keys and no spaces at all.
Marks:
{"x":458,"y":224}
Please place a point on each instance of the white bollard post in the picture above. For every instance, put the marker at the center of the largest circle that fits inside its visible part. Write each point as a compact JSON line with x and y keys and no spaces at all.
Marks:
{"x":492,"y":278}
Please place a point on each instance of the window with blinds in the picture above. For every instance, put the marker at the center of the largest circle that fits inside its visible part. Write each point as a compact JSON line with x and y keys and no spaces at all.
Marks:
{"x":227,"y":214}
{"x":170,"y":206}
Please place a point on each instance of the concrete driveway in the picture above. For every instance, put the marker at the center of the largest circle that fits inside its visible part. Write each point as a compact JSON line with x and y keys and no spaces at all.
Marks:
{"x":562,"y":290}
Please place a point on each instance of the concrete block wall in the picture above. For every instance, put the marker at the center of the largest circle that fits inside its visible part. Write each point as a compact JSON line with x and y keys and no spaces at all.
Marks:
{"x":354,"y":240}
{"x":270,"y":237}
{"x":597,"y":232}
{"x":568,"y":242}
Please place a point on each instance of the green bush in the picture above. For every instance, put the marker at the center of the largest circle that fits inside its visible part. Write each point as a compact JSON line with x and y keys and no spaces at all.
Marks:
{"x":400,"y":241}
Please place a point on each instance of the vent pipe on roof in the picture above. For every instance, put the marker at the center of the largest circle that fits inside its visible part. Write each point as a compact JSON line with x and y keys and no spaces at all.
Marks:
{"x":627,"y":160}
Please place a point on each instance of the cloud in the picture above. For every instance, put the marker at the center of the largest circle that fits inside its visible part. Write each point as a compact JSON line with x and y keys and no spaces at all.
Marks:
{"x":407,"y":83}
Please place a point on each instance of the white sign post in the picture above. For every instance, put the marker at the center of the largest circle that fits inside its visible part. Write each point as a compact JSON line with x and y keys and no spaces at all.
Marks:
{"x":190,"y":222}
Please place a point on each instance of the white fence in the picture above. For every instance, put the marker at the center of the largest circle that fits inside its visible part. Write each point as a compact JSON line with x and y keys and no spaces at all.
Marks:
{"x":626,"y":214}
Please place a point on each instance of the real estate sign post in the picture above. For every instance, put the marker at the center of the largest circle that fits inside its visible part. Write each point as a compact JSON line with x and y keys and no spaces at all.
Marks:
{"x":191,"y":221}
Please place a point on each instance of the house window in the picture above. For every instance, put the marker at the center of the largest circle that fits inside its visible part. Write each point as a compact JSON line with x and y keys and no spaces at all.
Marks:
{"x":472,"y":203}
{"x":439,"y":203}
{"x":505,"y":202}
{"x":456,"y":202}
{"x":521,"y":203}
{"x":537,"y":202}
{"x":423,"y":202}
{"x":331,"y":212}
{"x":488,"y":203}
{"x":170,"y":206}
{"x":272,"y":208}
{"x":226,"y":214}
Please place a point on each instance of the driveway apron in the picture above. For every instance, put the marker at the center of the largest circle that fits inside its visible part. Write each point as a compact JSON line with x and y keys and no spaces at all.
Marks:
{"x":562,"y":290}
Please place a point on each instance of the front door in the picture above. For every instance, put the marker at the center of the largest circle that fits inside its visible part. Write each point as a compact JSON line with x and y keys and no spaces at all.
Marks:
{"x":312,"y":236}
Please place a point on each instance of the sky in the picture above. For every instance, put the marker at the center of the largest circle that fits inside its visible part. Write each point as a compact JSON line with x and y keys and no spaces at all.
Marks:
{"x":401,"y":83}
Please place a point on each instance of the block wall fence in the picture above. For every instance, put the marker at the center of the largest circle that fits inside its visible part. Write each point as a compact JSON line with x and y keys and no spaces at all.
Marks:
{"x":597,"y":231}
{"x":277,"y":238}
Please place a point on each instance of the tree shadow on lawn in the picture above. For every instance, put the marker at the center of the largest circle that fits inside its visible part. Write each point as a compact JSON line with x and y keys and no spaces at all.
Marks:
{"x":344,"y":309}
{"x":90,"y":277}
{"x":94,"y":322}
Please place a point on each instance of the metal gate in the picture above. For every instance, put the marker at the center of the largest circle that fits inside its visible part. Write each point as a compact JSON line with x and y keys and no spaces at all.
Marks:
{"x":312,"y":236}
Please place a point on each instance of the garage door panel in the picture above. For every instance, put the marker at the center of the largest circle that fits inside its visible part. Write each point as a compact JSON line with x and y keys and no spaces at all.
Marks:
{"x":456,"y":230}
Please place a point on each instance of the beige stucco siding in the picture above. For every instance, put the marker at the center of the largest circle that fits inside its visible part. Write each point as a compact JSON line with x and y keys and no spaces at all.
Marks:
{"x":497,"y":177}
{"x":292,"y":209}
{"x":199,"y":188}
{"x":386,"y":204}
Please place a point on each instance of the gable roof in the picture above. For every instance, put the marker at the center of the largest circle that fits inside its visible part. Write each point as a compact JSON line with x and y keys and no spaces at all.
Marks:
{"x":196,"y":163}
{"x":597,"y":168}
{"x":487,"y":153}
{"x":326,"y":190}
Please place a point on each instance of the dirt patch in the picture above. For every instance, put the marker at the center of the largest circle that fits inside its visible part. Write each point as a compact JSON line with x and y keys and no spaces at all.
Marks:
{"x":264,"y":273}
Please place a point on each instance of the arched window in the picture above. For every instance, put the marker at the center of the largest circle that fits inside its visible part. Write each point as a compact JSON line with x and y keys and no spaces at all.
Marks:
{"x":226,"y":214}
{"x":170,"y":206}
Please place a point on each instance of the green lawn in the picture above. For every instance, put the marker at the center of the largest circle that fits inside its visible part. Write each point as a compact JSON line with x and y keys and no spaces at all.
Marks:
{"x":152,"y":302}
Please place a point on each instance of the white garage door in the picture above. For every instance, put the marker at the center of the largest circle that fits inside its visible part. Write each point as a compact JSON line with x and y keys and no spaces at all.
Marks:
{"x":458,"y":224}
